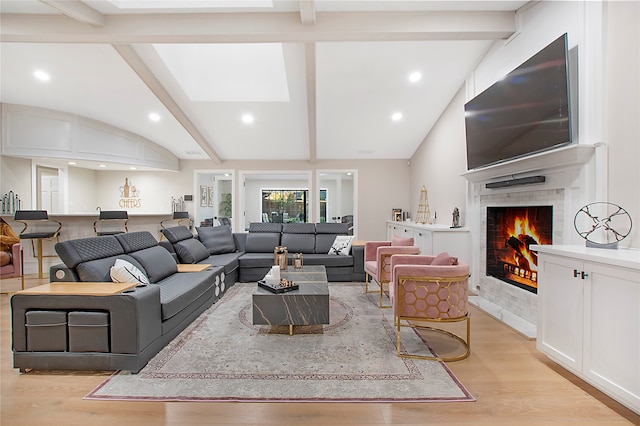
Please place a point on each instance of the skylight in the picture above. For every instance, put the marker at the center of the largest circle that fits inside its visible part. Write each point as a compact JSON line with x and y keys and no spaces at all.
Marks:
{"x":189,"y":4}
{"x":252,"y":72}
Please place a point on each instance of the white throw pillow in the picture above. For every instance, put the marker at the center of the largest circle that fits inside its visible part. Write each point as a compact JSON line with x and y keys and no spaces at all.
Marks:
{"x":341,"y":245}
{"x":124,"y":272}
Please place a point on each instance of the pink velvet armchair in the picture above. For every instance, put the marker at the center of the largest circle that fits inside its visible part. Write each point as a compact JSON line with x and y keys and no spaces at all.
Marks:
{"x":430,"y":289}
{"x":12,"y":269}
{"x":377,"y":260}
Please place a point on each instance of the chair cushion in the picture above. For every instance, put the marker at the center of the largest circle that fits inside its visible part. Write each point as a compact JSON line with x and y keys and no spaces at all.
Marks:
{"x":191,"y":251}
{"x":401,"y":241}
{"x":217,"y":239}
{"x":443,"y":259}
{"x":124,"y":272}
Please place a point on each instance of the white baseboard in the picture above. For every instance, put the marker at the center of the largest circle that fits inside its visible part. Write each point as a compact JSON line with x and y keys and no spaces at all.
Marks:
{"x":523,"y":327}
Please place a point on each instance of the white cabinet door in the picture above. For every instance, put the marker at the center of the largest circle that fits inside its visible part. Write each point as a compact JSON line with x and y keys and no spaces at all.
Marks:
{"x":424,"y":240}
{"x":394,"y":229}
{"x":560,"y":310}
{"x":406,"y":232}
{"x":612,"y":331}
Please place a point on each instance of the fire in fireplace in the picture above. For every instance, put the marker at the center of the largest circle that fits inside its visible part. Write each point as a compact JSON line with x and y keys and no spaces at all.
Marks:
{"x":510,"y":233}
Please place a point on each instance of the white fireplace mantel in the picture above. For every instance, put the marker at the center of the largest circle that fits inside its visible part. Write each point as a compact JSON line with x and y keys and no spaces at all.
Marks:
{"x":571,"y":155}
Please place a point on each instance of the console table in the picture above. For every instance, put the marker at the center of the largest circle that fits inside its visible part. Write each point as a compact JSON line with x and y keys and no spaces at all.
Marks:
{"x":589,"y":316}
{"x":434,"y":239}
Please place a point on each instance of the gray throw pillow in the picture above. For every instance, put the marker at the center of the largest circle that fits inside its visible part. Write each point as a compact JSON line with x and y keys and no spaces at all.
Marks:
{"x":191,"y":251}
{"x":217,"y":239}
{"x":157,"y":262}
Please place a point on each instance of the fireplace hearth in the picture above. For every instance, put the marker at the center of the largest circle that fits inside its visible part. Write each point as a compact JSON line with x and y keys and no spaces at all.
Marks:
{"x":510,"y":233}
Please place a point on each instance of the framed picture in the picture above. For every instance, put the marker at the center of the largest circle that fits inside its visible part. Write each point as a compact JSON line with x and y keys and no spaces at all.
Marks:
{"x":210,"y":196}
{"x":204,"y":196}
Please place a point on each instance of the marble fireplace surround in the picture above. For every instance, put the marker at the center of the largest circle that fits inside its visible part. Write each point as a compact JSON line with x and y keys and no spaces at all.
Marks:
{"x":568,"y":173}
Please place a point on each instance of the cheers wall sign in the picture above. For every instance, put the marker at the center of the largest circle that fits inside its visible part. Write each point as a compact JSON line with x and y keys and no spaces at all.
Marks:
{"x":129,"y":196}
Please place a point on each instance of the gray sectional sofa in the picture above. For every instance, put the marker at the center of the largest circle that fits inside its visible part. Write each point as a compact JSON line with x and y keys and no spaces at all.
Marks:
{"x":124,"y":331}
{"x":117,"y":332}
{"x":248,"y":256}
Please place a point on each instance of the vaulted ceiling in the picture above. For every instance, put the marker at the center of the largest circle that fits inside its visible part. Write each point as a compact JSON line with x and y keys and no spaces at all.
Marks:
{"x":251,"y":79}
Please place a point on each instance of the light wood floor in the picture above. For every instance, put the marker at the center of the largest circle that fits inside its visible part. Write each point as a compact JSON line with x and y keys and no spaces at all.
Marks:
{"x":512,"y":382}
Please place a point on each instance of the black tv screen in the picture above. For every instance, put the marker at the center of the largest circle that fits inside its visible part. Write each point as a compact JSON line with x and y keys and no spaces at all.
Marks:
{"x":524,"y":113}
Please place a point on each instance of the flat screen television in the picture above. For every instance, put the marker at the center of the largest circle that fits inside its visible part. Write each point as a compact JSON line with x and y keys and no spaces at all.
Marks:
{"x":526,"y":112}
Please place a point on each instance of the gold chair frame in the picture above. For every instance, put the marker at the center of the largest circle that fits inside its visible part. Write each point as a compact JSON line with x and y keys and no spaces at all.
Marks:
{"x":385,"y":265}
{"x":413,"y":321}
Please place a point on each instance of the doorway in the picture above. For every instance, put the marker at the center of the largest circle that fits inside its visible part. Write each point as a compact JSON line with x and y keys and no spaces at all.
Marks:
{"x":48,"y":189}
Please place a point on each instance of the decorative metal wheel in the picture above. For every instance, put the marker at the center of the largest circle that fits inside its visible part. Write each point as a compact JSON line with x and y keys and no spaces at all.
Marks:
{"x":602,"y":223}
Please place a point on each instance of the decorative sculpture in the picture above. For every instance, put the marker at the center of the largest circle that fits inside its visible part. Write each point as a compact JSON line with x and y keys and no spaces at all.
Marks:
{"x":456,"y":218}
{"x":424,"y":214}
{"x":602,"y":224}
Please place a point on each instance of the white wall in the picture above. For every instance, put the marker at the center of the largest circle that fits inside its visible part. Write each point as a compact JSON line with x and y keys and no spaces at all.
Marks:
{"x":438,"y":164}
{"x":15,"y":175}
{"x":81,"y":193}
{"x":622,"y":109}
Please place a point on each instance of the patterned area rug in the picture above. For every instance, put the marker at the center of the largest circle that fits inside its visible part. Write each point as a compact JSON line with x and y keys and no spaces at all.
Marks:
{"x":222,"y":356}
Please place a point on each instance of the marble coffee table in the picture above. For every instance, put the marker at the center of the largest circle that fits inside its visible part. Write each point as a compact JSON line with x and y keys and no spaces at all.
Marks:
{"x":309,"y":305}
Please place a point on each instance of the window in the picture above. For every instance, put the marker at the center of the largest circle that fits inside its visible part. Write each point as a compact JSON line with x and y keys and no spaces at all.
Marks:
{"x":285,"y":205}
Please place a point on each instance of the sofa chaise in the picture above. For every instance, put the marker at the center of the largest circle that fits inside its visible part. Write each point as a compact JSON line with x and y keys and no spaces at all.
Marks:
{"x":115,"y":332}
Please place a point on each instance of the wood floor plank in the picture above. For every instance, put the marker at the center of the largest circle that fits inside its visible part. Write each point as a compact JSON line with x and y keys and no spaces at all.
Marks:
{"x":512,"y":382}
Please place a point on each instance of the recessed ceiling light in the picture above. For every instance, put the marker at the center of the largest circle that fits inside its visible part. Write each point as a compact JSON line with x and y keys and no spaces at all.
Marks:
{"x":41,"y":75}
{"x":396,"y":116}
{"x":133,"y":168}
{"x":247,"y":118}
{"x":415,"y":76}
{"x":102,"y":165}
{"x":154,"y":117}
{"x":72,"y":163}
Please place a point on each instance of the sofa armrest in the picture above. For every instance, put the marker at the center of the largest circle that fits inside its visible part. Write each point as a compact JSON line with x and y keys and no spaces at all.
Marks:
{"x":134,"y":316}
{"x":61,"y":273}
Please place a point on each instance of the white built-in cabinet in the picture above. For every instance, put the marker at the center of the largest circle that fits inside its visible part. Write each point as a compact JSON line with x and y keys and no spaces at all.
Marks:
{"x":589,"y":316}
{"x":434,"y":239}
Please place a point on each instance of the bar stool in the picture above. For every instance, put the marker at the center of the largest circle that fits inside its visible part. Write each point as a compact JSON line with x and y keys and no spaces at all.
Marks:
{"x":178,"y":219}
{"x":111,"y":222}
{"x":38,"y":227}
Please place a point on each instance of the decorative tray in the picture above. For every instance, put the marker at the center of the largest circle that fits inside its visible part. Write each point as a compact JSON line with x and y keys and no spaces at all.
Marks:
{"x":283,"y":286}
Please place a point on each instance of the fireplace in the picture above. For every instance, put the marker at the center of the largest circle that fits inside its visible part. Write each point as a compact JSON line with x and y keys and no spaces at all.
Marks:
{"x":510,"y":232}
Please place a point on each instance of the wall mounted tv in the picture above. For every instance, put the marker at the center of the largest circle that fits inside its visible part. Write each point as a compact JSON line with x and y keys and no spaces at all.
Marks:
{"x":528,"y":111}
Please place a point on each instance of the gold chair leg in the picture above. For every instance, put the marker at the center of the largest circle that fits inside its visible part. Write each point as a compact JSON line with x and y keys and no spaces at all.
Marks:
{"x":39,"y":258}
{"x":381,"y":295}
